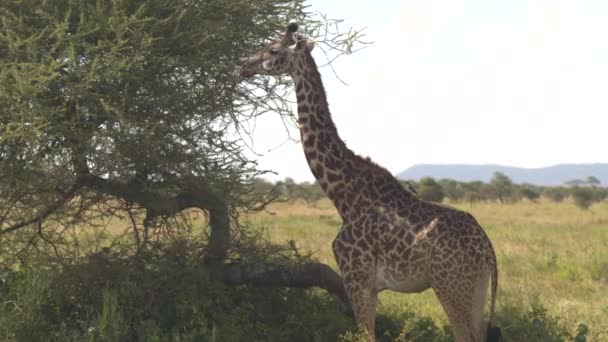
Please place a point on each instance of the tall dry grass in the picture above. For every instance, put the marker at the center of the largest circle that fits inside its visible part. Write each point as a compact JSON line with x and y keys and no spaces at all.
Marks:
{"x":554,"y":253}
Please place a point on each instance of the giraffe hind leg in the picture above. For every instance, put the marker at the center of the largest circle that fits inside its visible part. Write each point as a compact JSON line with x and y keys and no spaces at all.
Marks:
{"x":480,"y":292}
{"x":463,"y":301}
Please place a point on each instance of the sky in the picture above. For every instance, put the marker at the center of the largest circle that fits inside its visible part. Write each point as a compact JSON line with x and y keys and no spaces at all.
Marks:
{"x":513,"y":82}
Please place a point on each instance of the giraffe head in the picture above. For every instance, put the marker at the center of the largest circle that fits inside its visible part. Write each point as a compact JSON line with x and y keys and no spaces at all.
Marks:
{"x":277,"y":57}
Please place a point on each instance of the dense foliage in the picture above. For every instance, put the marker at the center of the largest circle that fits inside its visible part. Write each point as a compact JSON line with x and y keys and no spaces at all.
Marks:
{"x":161,"y":296}
{"x":126,"y":113}
{"x":116,"y":107}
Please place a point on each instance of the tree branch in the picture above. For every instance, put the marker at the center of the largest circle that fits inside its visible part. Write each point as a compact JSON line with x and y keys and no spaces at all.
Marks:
{"x":44,"y":213}
{"x":306,"y":275}
{"x":195,"y":194}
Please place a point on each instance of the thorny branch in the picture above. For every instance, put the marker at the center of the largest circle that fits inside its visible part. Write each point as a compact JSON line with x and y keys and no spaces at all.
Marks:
{"x":42,"y":215}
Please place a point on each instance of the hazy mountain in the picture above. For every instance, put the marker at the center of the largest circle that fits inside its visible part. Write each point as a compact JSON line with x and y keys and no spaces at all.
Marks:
{"x":552,"y":175}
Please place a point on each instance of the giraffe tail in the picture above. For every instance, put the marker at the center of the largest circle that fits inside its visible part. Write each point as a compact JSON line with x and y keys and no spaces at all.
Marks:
{"x":493,"y":334}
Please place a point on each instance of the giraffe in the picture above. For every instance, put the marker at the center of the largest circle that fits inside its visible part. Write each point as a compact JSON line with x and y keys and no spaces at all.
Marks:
{"x":389,"y":239}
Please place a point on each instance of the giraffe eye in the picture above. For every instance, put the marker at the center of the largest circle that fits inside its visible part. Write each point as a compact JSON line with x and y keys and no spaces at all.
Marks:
{"x":274,"y":51}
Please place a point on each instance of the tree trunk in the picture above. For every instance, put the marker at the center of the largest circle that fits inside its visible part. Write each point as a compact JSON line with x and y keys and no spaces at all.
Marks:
{"x":306,"y":275}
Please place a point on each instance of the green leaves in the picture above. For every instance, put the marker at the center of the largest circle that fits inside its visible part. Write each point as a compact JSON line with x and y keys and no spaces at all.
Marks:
{"x":141,"y":94}
{"x":121,"y":101}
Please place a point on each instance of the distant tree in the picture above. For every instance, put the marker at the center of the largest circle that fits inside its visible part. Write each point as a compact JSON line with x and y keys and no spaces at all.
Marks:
{"x":599,"y":193}
{"x":309,"y":192}
{"x":474,"y":186}
{"x":471,"y":197}
{"x":474,"y":191}
{"x":261,"y":186}
{"x":291,"y":187}
{"x":410,"y":185}
{"x":583,"y":197}
{"x":313,"y":192}
{"x":488,"y":193}
{"x":516,"y":193}
{"x":453,"y":190}
{"x":528,"y":192}
{"x":556,"y":194}
{"x":430,"y":190}
{"x":285,"y":189}
{"x":502,"y":186}
{"x":593,"y":181}
{"x":575,"y":182}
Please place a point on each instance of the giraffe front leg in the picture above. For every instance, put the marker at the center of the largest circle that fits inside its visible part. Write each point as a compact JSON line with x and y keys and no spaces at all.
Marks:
{"x":363,"y":298}
{"x":359,"y":280}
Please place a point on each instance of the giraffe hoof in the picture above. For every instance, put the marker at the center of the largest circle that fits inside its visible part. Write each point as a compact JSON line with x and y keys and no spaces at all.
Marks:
{"x":494,"y":334}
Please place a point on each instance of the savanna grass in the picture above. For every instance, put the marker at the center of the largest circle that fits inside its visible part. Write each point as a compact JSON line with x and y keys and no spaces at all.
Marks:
{"x":550,"y":253}
{"x":553,"y":279}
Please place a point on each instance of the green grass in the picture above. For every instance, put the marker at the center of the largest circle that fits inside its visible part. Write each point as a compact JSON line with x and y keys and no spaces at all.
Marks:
{"x":555,"y":253}
{"x":553,"y":263}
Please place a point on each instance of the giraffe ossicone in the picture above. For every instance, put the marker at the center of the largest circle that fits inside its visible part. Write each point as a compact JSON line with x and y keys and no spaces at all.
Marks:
{"x":292,"y":27}
{"x":389,"y":239}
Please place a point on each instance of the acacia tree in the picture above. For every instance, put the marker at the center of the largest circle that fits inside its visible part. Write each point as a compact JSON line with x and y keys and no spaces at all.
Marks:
{"x":502,"y":186}
{"x":132,"y":107}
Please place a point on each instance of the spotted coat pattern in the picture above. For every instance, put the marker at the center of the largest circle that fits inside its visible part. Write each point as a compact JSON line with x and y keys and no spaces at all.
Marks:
{"x":390,"y":239}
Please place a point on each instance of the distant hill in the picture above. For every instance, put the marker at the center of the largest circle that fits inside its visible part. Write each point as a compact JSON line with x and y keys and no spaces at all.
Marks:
{"x":548,"y":176}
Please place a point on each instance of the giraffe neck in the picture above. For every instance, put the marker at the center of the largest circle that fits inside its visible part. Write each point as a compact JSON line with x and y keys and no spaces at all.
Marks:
{"x":350,"y":181}
{"x":325,"y":152}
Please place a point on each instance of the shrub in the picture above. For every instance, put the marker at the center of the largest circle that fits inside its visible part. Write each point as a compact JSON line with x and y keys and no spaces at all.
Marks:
{"x":583,"y":197}
{"x":529,"y":193}
{"x":556,"y":194}
{"x":536,"y":323}
{"x":160,"y":295}
{"x":430,"y":190}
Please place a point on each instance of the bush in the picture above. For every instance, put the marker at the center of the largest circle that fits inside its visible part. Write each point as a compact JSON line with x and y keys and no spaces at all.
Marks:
{"x":501,"y":187}
{"x":583,"y":197}
{"x":536,"y":324}
{"x":453,"y":190}
{"x":160,"y":295}
{"x":599,"y":194}
{"x":430,"y":190}
{"x":528,"y":192}
{"x":556,"y":194}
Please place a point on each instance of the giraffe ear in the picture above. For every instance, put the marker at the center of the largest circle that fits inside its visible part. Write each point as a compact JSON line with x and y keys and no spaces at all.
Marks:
{"x":304,"y":43}
{"x":310,"y":44}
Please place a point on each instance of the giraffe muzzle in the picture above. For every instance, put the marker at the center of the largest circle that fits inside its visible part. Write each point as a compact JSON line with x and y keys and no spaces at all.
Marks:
{"x":244,"y":72}
{"x":248,"y":68}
